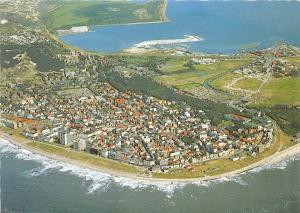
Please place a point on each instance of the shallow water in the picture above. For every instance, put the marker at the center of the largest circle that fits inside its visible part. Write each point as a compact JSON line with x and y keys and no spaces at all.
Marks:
{"x":225,"y":26}
{"x":32,"y":183}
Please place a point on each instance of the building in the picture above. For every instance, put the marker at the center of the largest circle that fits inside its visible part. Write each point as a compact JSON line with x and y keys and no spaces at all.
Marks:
{"x":8,"y":123}
{"x":119,"y":101}
{"x":81,"y":143}
{"x":296,"y":138}
{"x":261,"y":148}
{"x":64,"y":137}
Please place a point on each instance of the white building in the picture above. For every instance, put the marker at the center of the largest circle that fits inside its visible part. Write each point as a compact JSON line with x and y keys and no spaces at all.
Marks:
{"x":64,"y":136}
{"x":81,"y":143}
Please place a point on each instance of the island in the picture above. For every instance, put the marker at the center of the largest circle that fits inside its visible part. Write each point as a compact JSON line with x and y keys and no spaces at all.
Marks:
{"x":164,"y":115}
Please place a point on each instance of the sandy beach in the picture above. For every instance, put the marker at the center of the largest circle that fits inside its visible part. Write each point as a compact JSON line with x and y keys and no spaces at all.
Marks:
{"x":150,"y":45}
{"x":277,"y":157}
{"x":168,"y":41}
{"x":74,"y":30}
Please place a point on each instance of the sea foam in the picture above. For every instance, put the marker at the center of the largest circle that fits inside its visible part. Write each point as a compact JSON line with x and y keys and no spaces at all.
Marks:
{"x":98,"y":181}
{"x":278,"y":165}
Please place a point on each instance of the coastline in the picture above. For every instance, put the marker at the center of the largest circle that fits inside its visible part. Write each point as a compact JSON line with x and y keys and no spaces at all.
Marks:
{"x":150,"y":45}
{"x":74,"y":30}
{"x":272,"y":159}
{"x":105,"y":25}
{"x":163,"y":19}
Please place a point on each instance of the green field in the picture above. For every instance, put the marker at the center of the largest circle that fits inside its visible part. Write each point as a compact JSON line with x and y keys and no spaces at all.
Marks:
{"x":224,"y":80}
{"x":294,"y":60}
{"x":183,"y":77}
{"x":175,"y":64}
{"x":67,"y":14}
{"x":248,"y":84}
{"x":282,"y":91}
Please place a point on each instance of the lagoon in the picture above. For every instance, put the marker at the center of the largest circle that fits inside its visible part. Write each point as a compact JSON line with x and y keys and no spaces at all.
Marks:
{"x":226,"y":27}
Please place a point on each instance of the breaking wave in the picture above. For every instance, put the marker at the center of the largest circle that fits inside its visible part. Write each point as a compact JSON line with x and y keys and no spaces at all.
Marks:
{"x":278,"y":165}
{"x":98,"y":181}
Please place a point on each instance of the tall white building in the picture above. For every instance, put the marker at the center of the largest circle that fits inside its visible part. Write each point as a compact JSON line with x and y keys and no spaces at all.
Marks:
{"x":65,"y":137}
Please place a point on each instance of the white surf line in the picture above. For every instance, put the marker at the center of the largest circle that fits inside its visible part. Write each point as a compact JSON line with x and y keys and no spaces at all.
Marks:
{"x":101,"y":180}
{"x":96,"y":180}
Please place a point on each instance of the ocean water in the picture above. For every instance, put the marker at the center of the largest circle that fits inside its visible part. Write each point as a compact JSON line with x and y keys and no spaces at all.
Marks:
{"x":34,"y":184}
{"x":225,"y":26}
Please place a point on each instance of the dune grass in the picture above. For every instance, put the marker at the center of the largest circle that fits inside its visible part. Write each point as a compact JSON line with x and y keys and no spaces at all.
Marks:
{"x":83,"y":157}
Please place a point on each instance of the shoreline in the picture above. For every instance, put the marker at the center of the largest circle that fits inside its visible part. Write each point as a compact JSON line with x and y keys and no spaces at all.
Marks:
{"x":74,"y":30}
{"x":106,"y":25}
{"x":151,"y":45}
{"x":163,"y":19}
{"x":128,"y":24}
{"x":272,"y":159}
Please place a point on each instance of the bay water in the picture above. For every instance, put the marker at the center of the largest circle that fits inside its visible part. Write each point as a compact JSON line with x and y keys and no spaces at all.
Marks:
{"x":225,"y":26}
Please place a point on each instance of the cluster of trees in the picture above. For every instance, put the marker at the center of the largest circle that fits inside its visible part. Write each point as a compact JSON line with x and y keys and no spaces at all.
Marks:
{"x":44,"y":60}
{"x":41,"y":54}
{"x":151,"y":62}
{"x":295,"y":72}
{"x":7,"y":55}
{"x":287,"y":117}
